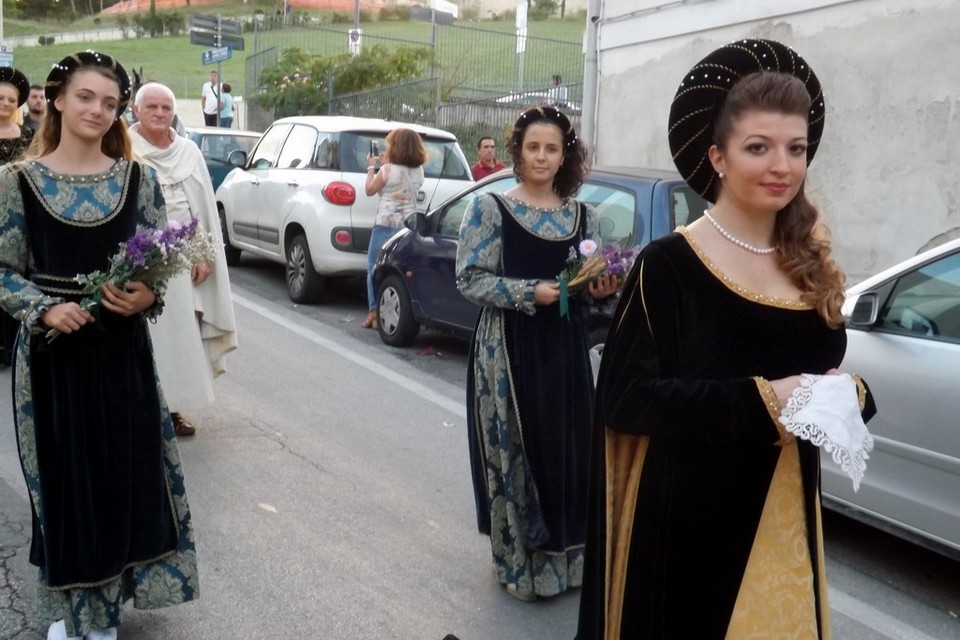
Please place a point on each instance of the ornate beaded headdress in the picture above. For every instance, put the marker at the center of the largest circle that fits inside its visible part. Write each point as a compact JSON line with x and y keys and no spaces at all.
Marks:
{"x":58,"y":75}
{"x":9,"y":75}
{"x":700,"y":96}
{"x":545,"y":113}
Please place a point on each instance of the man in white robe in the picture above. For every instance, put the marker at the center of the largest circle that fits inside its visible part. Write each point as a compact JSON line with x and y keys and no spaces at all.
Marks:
{"x":197,"y":327}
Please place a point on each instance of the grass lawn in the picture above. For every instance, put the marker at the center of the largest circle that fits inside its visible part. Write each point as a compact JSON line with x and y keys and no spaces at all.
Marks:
{"x":472,"y":57}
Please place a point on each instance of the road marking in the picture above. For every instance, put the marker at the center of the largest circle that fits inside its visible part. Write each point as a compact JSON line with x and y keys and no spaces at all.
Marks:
{"x":884,"y":624}
{"x":425,"y":392}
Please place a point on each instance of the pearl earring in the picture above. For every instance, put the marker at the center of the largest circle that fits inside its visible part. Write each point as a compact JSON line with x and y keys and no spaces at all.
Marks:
{"x":721,"y":175}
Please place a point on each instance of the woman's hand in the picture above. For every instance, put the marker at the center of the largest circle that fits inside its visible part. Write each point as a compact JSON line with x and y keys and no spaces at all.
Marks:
{"x":605,"y":286}
{"x":546,"y":293}
{"x":134,"y":299}
{"x":199,"y":272}
{"x":66,"y":317}
{"x":784,"y":388}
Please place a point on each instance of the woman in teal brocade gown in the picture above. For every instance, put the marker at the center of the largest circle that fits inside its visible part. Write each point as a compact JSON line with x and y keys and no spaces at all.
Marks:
{"x":530,"y":385}
{"x":110,"y":515}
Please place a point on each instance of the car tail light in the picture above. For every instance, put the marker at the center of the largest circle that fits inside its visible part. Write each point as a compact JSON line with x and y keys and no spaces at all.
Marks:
{"x":343,"y":238}
{"x":340,"y":193}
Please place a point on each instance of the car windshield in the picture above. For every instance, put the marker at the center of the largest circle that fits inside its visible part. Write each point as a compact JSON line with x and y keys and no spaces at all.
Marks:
{"x":219,"y":147}
{"x":444,"y":157}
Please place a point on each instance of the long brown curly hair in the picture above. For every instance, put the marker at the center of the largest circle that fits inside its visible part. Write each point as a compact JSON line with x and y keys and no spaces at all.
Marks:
{"x":804,"y":241}
{"x":115,"y":142}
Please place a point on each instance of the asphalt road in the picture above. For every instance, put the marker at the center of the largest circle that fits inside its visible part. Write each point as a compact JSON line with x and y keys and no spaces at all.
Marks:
{"x":331,"y":495}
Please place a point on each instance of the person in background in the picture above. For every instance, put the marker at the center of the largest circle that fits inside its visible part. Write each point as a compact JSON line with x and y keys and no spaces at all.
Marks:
{"x":397,"y":182}
{"x":14,"y":92}
{"x":704,"y":510}
{"x":210,"y":102}
{"x":111,"y":520}
{"x":36,"y":108}
{"x":229,"y":108}
{"x":530,"y":384}
{"x":487,"y":163}
{"x":557,"y":91}
{"x":197,"y":328}
{"x":14,"y":140}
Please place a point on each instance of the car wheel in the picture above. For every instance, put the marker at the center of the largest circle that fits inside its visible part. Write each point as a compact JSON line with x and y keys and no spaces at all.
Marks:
{"x":395,"y":320}
{"x":304,"y":284}
{"x":231,"y":253}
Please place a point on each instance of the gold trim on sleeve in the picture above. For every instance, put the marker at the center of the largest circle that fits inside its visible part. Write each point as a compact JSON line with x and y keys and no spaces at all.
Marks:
{"x":772,"y":403}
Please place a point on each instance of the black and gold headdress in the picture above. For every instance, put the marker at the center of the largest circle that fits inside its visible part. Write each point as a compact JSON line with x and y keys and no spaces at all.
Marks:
{"x":9,"y":75}
{"x":62,"y":70}
{"x":700,"y":96}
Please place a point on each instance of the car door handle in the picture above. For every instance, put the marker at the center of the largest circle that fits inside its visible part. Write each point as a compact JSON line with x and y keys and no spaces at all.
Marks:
{"x":293,"y":183}
{"x":255,"y":182}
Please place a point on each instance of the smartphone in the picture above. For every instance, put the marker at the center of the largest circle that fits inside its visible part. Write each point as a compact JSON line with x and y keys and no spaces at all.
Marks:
{"x":374,"y":149}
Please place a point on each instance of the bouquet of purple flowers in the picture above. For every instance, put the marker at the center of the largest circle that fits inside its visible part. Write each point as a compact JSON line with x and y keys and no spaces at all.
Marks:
{"x":149,"y":256}
{"x":588,"y":263}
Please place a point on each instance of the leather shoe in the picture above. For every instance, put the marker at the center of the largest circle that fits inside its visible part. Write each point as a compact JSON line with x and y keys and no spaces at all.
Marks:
{"x":181,"y":426}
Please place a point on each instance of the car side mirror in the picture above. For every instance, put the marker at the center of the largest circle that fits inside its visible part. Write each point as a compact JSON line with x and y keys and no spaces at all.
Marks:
{"x":416,"y":222}
{"x":866,"y":308}
{"x":237,"y":158}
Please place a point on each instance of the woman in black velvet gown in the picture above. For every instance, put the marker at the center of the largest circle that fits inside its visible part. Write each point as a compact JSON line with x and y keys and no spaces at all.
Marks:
{"x":530,"y":387}
{"x":705,"y":512}
{"x":111,"y":520}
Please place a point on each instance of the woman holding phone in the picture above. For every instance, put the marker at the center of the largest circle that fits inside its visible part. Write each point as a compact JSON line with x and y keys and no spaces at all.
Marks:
{"x":397,"y":182}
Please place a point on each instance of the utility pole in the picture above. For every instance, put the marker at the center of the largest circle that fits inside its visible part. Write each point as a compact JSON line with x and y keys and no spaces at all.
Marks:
{"x":591,"y":80}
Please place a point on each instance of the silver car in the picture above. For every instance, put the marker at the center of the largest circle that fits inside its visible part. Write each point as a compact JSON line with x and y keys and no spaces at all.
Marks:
{"x":903,"y":328}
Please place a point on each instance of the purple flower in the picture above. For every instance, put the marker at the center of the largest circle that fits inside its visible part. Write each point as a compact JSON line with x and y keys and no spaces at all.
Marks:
{"x":137,"y":248}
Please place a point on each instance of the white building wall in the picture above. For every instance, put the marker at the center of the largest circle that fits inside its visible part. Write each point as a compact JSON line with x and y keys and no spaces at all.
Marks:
{"x":886,"y":174}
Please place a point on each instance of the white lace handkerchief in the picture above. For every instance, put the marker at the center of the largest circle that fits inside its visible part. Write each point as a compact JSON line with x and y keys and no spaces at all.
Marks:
{"x":826,"y":411}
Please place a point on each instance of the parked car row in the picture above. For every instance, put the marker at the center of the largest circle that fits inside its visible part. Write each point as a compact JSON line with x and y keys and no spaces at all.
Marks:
{"x":297,"y":198}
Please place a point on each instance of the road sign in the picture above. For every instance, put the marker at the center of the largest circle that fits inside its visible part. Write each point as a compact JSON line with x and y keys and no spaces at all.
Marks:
{"x":203,"y":21}
{"x":216,"y":55}
{"x":209,"y":39}
{"x":355,"y":41}
{"x":231,"y":26}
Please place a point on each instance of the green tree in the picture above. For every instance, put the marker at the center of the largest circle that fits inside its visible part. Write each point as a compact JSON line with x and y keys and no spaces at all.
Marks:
{"x":297,"y":85}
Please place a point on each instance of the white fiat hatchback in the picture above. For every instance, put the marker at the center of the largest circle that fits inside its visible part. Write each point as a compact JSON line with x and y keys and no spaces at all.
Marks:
{"x":298,"y":198}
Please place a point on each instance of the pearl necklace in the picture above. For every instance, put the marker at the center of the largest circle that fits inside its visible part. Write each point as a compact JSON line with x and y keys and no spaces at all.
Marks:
{"x":737,"y":241}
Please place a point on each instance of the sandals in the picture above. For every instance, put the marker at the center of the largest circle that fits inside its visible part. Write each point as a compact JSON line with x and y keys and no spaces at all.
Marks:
{"x":371,"y":321}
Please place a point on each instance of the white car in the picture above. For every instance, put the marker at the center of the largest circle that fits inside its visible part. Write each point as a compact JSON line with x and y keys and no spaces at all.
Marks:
{"x":299,"y":199}
{"x":903,"y":337}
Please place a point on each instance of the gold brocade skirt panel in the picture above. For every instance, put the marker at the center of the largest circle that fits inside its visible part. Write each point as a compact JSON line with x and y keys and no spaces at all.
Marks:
{"x":776,"y":598}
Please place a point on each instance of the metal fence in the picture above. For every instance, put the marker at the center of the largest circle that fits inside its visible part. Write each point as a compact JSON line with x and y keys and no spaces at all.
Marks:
{"x":480,"y":81}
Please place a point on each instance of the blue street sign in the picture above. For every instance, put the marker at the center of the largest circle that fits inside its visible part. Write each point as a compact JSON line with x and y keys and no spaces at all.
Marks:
{"x":216,"y":55}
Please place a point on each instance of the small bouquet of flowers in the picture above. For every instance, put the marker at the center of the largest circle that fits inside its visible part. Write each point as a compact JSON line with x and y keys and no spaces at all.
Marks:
{"x":149,"y":256}
{"x":588,"y":263}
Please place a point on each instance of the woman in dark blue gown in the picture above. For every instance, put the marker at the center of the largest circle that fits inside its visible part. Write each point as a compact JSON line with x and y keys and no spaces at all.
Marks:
{"x":530,"y":386}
